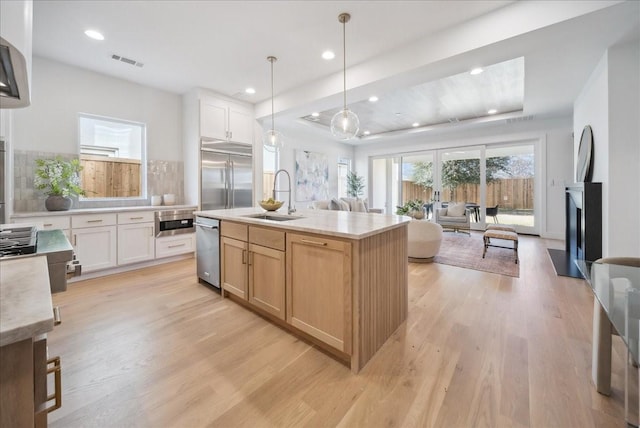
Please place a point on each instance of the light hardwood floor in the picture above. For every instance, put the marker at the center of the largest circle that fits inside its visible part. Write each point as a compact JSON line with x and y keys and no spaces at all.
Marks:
{"x":154,"y":348}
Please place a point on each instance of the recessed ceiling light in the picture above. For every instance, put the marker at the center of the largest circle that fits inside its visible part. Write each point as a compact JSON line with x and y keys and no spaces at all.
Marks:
{"x":315,"y":114}
{"x":398,"y":114}
{"x":492,"y":111}
{"x":250,"y":91}
{"x":328,"y":55}
{"x":366,"y":132}
{"x":373,"y":98}
{"x":415,"y":124}
{"x":93,"y":34}
{"x":476,"y":70}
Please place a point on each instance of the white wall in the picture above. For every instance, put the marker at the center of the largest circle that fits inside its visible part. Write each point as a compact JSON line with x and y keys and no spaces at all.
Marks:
{"x":299,"y":138}
{"x":554,"y":136}
{"x":610,"y":104}
{"x":60,"y":92}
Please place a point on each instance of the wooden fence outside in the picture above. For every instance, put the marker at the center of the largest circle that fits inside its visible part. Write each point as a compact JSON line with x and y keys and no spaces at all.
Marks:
{"x":103,"y":177}
{"x":510,"y":194}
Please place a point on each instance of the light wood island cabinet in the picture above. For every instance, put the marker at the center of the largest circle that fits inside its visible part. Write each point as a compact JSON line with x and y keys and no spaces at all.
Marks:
{"x":319,"y":288}
{"x":252,"y":265}
{"x":267,"y":270}
{"x":343,"y":287}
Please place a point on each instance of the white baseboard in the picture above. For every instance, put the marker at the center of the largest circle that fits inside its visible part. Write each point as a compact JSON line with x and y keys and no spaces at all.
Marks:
{"x":127,"y":268}
{"x":552,"y":235}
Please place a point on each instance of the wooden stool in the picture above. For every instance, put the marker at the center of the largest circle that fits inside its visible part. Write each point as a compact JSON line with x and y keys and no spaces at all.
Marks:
{"x":506,"y":235}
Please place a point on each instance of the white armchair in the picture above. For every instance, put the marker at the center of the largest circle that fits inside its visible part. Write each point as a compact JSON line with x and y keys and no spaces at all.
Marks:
{"x":455,"y":217}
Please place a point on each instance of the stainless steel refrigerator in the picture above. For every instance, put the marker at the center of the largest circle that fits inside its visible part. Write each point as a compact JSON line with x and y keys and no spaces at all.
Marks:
{"x":226,"y":177}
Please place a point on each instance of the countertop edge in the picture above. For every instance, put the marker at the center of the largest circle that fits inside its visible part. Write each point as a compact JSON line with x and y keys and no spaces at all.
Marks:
{"x":292,"y":226}
{"x":79,"y":211}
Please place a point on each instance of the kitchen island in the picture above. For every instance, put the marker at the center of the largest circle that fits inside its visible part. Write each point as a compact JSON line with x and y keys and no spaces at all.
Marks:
{"x":336,"y":278}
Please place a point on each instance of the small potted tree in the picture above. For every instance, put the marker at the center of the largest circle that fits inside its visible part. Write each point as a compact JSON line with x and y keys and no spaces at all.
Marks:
{"x":355,"y":185}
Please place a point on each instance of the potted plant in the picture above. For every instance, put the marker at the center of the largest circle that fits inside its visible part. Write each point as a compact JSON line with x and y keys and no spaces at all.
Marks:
{"x":413,"y":208}
{"x":59,"y":179}
{"x":355,"y":185}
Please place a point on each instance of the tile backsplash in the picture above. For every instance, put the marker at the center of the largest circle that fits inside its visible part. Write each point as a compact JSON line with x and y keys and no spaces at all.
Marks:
{"x":162,"y":177}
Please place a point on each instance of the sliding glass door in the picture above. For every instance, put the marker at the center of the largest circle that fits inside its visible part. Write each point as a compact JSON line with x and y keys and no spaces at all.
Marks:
{"x":511,"y":186}
{"x":417,"y":181}
{"x":461,"y":177}
{"x":496,"y":182}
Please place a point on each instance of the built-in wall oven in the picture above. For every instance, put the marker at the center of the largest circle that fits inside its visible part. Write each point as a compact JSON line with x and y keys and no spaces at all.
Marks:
{"x":174,"y":222}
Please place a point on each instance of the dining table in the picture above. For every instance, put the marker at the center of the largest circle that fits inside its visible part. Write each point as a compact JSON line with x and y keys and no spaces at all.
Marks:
{"x":616,"y":289}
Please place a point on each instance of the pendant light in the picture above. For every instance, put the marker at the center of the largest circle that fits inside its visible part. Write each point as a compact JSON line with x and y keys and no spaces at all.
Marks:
{"x":272,"y":139}
{"x":344,"y":124}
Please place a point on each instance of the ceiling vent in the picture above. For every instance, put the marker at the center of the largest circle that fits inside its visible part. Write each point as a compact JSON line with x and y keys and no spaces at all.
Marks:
{"x":520,"y":119}
{"x":127,"y":60}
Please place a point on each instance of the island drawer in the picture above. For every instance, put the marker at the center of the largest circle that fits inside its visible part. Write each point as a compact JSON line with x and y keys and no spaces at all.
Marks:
{"x":267,"y":237}
{"x":92,"y":220}
{"x":234,"y":230}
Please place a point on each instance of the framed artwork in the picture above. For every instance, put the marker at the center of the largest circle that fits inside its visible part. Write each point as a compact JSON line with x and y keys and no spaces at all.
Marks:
{"x":312,"y":176}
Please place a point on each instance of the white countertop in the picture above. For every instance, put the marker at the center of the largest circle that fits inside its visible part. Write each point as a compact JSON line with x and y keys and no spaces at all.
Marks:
{"x":104,"y":210}
{"x":345,"y":224}
{"x":25,"y":299}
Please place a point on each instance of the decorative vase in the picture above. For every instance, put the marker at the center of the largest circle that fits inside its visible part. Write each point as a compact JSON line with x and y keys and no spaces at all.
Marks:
{"x":58,"y":203}
{"x":417,"y":214}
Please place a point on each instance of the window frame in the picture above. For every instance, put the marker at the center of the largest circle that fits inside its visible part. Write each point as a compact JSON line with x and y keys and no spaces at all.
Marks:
{"x":143,"y":155}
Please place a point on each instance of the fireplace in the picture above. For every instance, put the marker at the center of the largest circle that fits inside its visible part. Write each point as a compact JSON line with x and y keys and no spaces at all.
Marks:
{"x":583,"y":232}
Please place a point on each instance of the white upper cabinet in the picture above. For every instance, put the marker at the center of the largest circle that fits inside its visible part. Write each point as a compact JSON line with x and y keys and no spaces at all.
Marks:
{"x":240,"y":128}
{"x":213,"y":120}
{"x":225,"y":121}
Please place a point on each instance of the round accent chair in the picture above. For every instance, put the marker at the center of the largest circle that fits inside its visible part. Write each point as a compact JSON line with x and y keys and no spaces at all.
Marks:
{"x":424,"y":240}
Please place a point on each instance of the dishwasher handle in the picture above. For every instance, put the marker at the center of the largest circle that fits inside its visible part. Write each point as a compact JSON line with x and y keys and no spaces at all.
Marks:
{"x":207,"y":226}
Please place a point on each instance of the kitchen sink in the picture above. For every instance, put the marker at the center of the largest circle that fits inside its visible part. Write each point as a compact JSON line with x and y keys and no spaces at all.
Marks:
{"x":273,"y":217}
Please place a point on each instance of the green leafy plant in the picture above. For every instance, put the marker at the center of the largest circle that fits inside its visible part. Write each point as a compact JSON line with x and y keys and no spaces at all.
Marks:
{"x":409,"y":206}
{"x":355,"y":184}
{"x":58,"y":177}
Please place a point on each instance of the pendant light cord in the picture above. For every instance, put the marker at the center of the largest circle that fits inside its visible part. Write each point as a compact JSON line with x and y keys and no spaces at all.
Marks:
{"x":344,"y":61}
{"x":273,"y":129}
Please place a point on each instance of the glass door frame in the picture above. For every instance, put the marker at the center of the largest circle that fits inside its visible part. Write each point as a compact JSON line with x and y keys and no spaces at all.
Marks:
{"x":539,"y":191}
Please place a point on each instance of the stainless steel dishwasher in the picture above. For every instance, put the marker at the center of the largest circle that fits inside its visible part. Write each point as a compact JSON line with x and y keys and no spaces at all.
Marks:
{"x":208,"y":250}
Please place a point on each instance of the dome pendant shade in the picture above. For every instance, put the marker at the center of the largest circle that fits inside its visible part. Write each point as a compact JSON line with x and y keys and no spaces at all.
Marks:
{"x":345,"y":125}
{"x":272,"y":139}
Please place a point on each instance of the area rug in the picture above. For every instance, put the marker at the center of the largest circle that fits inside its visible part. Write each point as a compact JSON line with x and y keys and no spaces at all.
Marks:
{"x":465,"y":251}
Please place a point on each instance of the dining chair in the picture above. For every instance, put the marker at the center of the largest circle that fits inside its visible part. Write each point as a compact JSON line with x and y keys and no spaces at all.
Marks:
{"x":493,"y":212}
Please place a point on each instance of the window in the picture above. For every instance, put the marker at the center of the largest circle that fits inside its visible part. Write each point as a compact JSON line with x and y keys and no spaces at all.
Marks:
{"x":344,"y":166}
{"x":269,"y":168}
{"x":113,"y":157}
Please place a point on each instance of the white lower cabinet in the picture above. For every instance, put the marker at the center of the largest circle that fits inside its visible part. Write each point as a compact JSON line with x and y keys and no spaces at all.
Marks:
{"x":136,"y":243}
{"x":95,"y":247}
{"x":175,"y":245}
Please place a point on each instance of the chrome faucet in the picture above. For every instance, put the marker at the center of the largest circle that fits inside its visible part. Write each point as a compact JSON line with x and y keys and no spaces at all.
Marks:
{"x":290,"y":210}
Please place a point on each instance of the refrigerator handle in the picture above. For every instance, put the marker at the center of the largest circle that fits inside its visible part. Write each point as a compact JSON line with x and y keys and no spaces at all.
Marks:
{"x":226,"y":185}
{"x":233,"y":185}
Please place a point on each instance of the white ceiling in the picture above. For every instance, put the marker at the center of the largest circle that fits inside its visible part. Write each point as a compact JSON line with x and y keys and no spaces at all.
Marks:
{"x":391,"y":45}
{"x":453,"y":99}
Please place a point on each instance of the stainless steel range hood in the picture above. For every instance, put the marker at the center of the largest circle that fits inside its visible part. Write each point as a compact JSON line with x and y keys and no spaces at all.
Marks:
{"x":14,"y":84}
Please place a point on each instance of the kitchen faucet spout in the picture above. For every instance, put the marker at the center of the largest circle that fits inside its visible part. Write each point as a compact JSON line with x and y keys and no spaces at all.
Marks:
{"x":290,"y":209}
